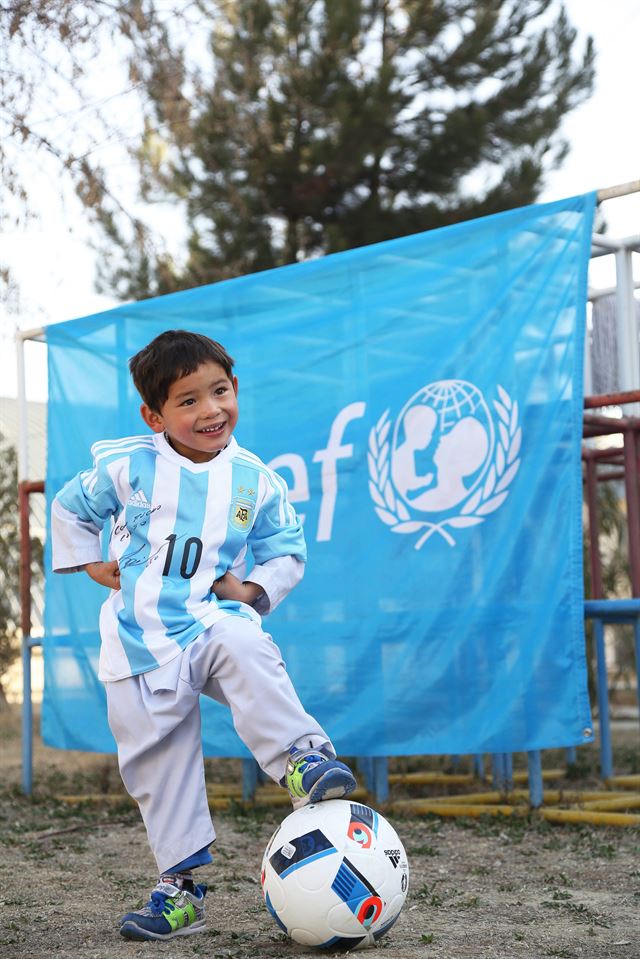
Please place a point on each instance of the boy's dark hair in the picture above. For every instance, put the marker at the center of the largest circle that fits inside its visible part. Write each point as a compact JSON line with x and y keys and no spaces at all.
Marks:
{"x":170,"y":356}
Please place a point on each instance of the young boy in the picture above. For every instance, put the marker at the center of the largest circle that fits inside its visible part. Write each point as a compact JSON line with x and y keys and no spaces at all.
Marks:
{"x":183,"y":509}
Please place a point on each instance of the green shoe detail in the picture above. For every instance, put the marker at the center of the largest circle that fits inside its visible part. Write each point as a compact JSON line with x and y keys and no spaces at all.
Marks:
{"x":179,"y":914}
{"x":296,"y":770}
{"x":176,"y":908}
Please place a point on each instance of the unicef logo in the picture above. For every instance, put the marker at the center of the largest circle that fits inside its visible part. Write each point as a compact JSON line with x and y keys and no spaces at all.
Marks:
{"x":446,"y":465}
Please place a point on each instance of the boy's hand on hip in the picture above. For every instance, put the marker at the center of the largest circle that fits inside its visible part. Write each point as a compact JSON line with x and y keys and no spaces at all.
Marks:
{"x":230,"y":587}
{"x":107,"y":574}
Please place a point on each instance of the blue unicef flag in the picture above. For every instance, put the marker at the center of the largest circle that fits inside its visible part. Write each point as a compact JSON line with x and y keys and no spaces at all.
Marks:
{"x":423,"y":400}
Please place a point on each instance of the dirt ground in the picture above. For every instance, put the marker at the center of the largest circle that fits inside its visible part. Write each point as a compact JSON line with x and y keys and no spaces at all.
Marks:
{"x":487,"y":889}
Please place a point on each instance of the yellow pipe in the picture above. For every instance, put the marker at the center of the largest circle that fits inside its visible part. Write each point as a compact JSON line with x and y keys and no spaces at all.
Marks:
{"x":557,"y":796}
{"x":516,"y":796}
{"x":443,"y":779}
{"x":595,"y":795}
{"x":547,"y":774}
{"x":522,"y":776}
{"x":593,"y":818}
{"x":626,"y":782}
{"x":424,"y":779}
{"x":224,"y":789}
{"x":610,"y":805}
{"x":472,"y":798}
{"x":550,"y":797}
{"x":423,"y":807}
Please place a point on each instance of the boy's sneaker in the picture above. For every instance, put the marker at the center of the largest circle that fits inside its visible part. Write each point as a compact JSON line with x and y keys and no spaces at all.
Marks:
{"x":176,"y":908}
{"x":311,"y":777}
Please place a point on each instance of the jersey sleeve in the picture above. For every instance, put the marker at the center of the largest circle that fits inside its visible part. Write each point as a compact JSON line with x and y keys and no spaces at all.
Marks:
{"x":78,"y":513}
{"x":278,"y":546}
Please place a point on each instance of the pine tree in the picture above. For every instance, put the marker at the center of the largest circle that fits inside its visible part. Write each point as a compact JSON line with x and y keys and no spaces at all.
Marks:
{"x":325,"y":126}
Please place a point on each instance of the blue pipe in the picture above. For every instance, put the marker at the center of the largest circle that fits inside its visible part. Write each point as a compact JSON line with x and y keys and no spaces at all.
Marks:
{"x":499,"y":771}
{"x":478,"y":765}
{"x":612,"y":609}
{"x":496,"y":769}
{"x":606,"y":755}
{"x":249,"y":779}
{"x":365,"y":768}
{"x":381,"y":778}
{"x":536,"y":785}
{"x":28,"y":642}
{"x":508,"y":771}
{"x":502,"y":771}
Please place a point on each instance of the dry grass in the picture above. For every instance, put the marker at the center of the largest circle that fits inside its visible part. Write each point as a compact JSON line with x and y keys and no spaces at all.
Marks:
{"x":495,"y":889}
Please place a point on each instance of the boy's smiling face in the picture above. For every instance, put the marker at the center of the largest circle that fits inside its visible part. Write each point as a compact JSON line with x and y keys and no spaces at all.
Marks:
{"x":199,"y":414}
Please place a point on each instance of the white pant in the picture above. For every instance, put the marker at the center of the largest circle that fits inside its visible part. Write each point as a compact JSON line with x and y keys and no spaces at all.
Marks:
{"x":155,"y":719}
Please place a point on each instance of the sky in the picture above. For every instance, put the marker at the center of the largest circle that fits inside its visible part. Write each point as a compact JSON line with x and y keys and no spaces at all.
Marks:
{"x":55,"y":264}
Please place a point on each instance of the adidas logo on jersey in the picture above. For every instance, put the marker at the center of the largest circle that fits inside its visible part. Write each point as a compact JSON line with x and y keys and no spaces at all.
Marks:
{"x":140,"y":500}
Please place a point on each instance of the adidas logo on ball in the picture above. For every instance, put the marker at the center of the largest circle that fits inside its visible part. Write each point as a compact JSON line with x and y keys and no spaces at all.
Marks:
{"x":394,"y":856}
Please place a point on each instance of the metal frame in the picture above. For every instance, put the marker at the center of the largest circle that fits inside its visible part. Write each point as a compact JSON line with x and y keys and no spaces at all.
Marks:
{"x":626,"y":324}
{"x":610,"y":611}
{"x":375,"y":769}
{"x":25,"y":488}
{"x":623,"y":463}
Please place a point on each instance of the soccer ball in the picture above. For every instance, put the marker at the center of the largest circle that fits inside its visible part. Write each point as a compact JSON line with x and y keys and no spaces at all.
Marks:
{"x":335,"y":874}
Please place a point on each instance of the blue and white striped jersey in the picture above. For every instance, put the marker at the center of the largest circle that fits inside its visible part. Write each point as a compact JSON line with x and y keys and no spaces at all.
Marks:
{"x":174,"y":527}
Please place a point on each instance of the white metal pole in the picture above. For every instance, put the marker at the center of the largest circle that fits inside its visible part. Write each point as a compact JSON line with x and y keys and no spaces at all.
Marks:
{"x":21,"y":336}
{"x":587,"y":386}
{"x":627,"y":327}
{"x":595,"y":294}
{"x":27,"y":641}
{"x":604,"y":244}
{"x":622,"y":189}
{"x":23,"y":428}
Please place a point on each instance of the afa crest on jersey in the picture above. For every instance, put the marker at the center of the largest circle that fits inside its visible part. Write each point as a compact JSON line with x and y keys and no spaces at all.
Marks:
{"x":241,"y":512}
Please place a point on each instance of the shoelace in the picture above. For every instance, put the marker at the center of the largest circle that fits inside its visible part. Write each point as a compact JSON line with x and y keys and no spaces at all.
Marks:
{"x":310,"y":761}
